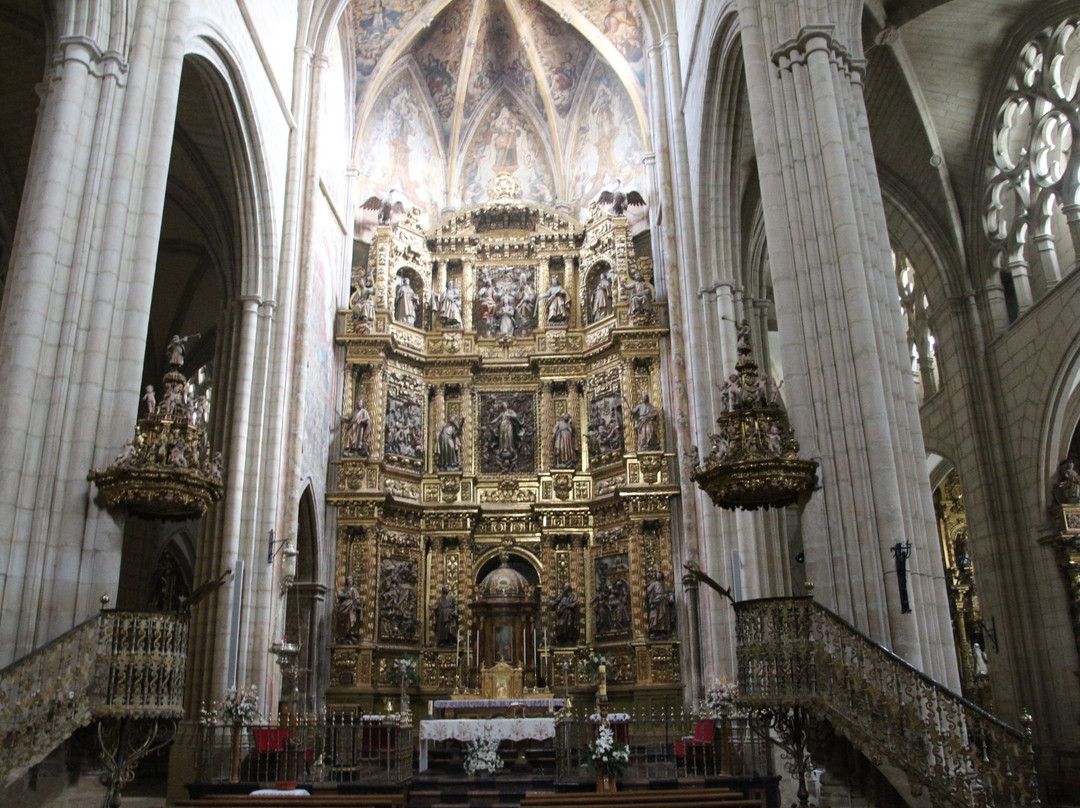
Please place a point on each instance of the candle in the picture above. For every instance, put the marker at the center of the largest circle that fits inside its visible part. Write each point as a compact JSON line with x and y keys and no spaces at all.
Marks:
{"x":602,"y":691}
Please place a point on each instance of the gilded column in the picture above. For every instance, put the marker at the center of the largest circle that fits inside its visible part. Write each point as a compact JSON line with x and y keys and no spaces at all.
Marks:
{"x":436,"y":420}
{"x":547,"y":423}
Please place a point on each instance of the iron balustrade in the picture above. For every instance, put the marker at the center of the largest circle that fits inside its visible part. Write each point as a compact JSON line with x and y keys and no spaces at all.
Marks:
{"x":795,"y":653}
{"x":337,"y":748}
{"x":115,"y":665}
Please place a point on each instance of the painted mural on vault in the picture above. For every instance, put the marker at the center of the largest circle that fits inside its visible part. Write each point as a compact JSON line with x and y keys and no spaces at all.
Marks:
{"x":506,"y":143}
{"x":375,"y":24}
{"x":439,"y":56}
{"x":620,"y":22}
{"x":500,"y":55}
{"x":563,"y":53}
{"x":398,"y":149}
{"x":607,"y":142}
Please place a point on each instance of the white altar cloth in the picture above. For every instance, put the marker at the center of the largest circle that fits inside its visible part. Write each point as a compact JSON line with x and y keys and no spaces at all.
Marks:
{"x":483,"y":729}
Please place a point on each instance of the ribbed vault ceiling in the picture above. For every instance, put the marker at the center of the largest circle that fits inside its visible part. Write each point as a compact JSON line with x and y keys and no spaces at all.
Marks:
{"x":451,"y":93}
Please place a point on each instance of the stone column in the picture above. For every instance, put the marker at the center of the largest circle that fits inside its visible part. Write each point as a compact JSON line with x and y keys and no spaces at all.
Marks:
{"x":70,"y":360}
{"x":851,"y":403}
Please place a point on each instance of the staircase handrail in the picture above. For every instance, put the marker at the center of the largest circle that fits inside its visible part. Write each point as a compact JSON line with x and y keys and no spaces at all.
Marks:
{"x":116,"y":664}
{"x":794,"y":652}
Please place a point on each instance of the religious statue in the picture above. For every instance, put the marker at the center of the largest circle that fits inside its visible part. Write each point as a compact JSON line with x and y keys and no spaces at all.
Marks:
{"x":979,"y":656}
{"x":405,"y":303}
{"x":357,"y":441}
{"x":611,"y":607}
{"x":348,"y":612}
{"x":563,"y":450}
{"x":507,"y":426}
{"x":566,"y":616}
{"x":445,"y":616}
{"x":397,"y":600}
{"x":507,"y":314}
{"x":176,"y":454}
{"x":640,"y":295}
{"x":556,"y":300}
{"x":448,"y":444}
{"x":362,"y":301}
{"x":176,"y":350}
{"x":450,"y":304}
{"x":732,"y":394}
{"x":742,"y":338}
{"x":646,"y":423}
{"x":660,"y":604}
{"x":1067,"y":491}
{"x":600,"y":304}
{"x":150,"y":399}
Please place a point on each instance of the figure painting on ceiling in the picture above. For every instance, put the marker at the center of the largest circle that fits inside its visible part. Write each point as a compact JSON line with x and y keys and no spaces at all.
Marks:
{"x":608,"y":143}
{"x":398,"y":148}
{"x":404,"y":429}
{"x":507,"y":143}
{"x":505,"y":302}
{"x":507,"y":433}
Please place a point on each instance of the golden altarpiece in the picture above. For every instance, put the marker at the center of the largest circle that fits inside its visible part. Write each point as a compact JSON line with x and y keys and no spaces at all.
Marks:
{"x":502,"y":486}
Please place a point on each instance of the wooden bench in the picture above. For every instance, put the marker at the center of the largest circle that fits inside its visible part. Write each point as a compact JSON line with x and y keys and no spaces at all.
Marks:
{"x":1062,"y":776}
{"x":314,"y":801}
{"x":678,"y":797}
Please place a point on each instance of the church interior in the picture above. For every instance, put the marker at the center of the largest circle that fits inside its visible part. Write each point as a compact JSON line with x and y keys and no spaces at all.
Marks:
{"x":700,"y":375}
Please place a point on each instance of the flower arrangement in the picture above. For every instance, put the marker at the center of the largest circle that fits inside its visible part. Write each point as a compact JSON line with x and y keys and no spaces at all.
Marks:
{"x":405,"y":670}
{"x":240,"y":705}
{"x":606,"y":755}
{"x":720,"y":699}
{"x":591,"y":666}
{"x":483,"y":757}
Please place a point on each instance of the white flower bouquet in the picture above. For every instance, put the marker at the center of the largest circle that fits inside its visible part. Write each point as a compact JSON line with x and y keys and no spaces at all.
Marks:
{"x":605,"y":754}
{"x":591,"y":666}
{"x":720,"y":699}
{"x":240,"y":705}
{"x":406,"y":670}
{"x":483,"y":757}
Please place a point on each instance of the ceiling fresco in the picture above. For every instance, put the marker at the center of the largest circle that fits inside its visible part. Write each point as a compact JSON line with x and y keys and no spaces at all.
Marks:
{"x":450,"y":93}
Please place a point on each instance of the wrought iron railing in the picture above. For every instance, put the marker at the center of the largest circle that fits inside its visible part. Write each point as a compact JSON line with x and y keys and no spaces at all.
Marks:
{"x":338,"y":748}
{"x":114,"y":665}
{"x":795,"y":653}
{"x":667,"y":743}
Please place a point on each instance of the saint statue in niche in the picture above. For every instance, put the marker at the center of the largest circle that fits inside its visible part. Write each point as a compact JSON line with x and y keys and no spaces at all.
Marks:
{"x":566,"y":616}
{"x":556,"y":300}
{"x":660,"y":603}
{"x":450,"y":305}
{"x":357,"y":442}
{"x":646,"y":424}
{"x":507,"y":433}
{"x":406,"y":302}
{"x":563,"y":451}
{"x":448,"y":444}
{"x":348,"y":612}
{"x":445,"y":613}
{"x":600,"y":300}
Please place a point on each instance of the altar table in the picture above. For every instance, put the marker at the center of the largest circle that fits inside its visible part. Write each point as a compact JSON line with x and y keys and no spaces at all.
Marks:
{"x":483,"y":729}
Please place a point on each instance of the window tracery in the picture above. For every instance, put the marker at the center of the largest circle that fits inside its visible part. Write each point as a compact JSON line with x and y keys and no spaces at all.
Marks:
{"x":920,"y":339}
{"x":1031,"y":212}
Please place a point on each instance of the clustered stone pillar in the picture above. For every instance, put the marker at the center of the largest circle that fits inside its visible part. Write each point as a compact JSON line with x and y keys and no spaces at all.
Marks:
{"x":850,"y":400}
